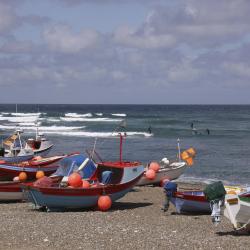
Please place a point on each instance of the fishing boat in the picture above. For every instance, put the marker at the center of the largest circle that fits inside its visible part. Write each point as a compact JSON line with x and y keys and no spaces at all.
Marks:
{"x":112,"y":178}
{"x":190,"y":202}
{"x":11,"y":190}
{"x":48,"y":165}
{"x":16,"y":152}
{"x":40,"y":145}
{"x":194,"y":201}
{"x":124,"y":176}
{"x":167,"y":171}
{"x":237,"y":210}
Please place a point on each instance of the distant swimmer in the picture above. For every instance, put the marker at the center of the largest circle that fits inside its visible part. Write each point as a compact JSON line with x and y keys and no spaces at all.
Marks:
{"x":192,"y":125}
{"x":149,"y":130}
{"x":208,"y":131}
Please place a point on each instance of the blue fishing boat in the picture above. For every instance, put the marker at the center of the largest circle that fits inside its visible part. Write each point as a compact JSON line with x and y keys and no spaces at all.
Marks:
{"x":114,"y":179}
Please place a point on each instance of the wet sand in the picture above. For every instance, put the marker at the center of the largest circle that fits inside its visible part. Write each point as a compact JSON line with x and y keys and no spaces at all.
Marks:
{"x":134,"y":222}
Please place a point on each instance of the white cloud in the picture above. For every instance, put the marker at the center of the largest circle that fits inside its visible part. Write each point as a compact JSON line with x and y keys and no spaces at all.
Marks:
{"x":61,"y":38}
{"x":130,"y":37}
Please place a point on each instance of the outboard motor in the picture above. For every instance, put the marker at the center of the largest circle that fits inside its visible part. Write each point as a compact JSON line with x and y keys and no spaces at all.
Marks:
{"x":215,"y":194}
{"x":169,"y":188}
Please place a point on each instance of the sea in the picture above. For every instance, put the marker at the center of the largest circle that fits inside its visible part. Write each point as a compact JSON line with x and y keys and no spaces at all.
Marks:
{"x":220,"y":134}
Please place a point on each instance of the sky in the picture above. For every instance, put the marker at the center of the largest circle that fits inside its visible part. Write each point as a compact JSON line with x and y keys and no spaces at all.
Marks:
{"x":125,"y":51}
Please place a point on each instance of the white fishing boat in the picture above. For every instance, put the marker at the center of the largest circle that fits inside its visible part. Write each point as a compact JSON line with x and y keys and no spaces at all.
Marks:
{"x":237,"y":210}
{"x":16,"y":152}
{"x":40,"y":145}
{"x":169,"y":171}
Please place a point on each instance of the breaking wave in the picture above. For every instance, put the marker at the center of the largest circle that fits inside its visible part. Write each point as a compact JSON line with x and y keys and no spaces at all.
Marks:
{"x":26,"y":114}
{"x":100,"y":134}
{"x":81,"y":119}
{"x":20,"y":119}
{"x":42,"y":128}
{"x":122,"y":115}
{"x":75,"y":115}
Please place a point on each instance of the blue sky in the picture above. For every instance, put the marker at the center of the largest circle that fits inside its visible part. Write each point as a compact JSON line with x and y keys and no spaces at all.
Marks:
{"x":144,"y":51}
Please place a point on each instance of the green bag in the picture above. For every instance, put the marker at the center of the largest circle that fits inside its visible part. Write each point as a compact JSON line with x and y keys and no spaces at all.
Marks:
{"x":215,"y":191}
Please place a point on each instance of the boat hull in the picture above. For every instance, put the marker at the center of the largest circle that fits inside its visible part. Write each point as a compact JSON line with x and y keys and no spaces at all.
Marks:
{"x":56,"y":198}
{"x":190,"y":202}
{"x":169,"y":172}
{"x":48,"y":166}
{"x":237,"y":210}
{"x":10,"y":191}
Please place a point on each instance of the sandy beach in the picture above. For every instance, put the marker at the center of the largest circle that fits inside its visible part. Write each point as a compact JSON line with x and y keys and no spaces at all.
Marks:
{"x":134,"y":222}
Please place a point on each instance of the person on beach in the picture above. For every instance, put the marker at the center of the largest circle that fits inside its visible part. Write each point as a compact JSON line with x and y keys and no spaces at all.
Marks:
{"x":208,"y":131}
{"x":169,"y":189}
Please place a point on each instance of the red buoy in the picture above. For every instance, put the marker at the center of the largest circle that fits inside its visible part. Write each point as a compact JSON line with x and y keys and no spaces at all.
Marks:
{"x":150,"y":174}
{"x":75,"y":180}
{"x":104,"y":202}
{"x":85,"y":184}
{"x":155,"y":166}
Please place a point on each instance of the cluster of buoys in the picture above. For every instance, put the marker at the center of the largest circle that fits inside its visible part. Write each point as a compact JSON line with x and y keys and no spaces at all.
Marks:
{"x":75,"y":181}
{"x":153,"y":168}
{"x":188,"y":156}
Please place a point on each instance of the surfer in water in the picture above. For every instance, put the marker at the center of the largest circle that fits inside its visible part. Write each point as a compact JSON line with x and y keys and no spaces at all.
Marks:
{"x":194,"y":130}
{"x":149,"y":130}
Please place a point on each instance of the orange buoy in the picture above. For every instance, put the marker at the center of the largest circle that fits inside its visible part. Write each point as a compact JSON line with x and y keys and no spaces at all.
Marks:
{"x":191,"y":152}
{"x":189,"y":161}
{"x":85,"y":184}
{"x":155,"y":166}
{"x":22,"y":176}
{"x":104,"y":202}
{"x":16,"y":179}
{"x":150,"y":174}
{"x":75,"y":180}
{"x":39,"y":174}
{"x":164,"y":181}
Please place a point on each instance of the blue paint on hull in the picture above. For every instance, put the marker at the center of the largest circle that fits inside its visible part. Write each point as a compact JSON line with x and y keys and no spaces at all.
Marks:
{"x":62,"y":202}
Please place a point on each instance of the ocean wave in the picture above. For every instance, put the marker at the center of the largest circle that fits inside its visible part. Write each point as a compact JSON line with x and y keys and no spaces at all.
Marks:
{"x":81,"y":119}
{"x":52,"y":120}
{"x":122,"y":115}
{"x":100,"y":134}
{"x":20,"y":119}
{"x":75,"y":115}
{"x":99,"y":114}
{"x":26,"y":114}
{"x":42,"y":128}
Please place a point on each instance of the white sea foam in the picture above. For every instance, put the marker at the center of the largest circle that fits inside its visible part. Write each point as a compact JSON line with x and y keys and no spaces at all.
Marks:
{"x":52,"y":120}
{"x":81,"y":119}
{"x":75,"y":115}
{"x":19,"y":119}
{"x":26,"y":114}
{"x":99,"y":114}
{"x":122,"y":115}
{"x":99,"y":134}
{"x":53,"y":128}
